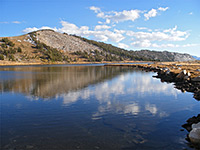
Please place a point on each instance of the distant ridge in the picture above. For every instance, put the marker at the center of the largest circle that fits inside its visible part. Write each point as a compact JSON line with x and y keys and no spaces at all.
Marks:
{"x":195,"y":57}
{"x":51,"y":46}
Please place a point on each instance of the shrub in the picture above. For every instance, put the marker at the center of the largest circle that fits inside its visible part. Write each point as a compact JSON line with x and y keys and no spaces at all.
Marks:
{"x":12,"y":50}
{"x":4,"y":45}
{"x":7,"y":42}
{"x":1,"y":57}
{"x":11,"y":57}
{"x":19,"y":50}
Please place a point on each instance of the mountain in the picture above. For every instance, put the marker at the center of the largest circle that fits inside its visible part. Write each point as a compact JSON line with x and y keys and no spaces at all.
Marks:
{"x":195,"y":57}
{"x":51,"y":46}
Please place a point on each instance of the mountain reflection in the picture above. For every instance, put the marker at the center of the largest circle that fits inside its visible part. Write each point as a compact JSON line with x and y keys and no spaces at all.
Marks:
{"x":49,"y":82}
{"x":110,"y":86}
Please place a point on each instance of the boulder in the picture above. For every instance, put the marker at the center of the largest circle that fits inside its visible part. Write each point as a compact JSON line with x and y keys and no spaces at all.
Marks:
{"x":188,"y":74}
{"x":186,"y":77}
{"x":194,"y":135}
{"x":196,"y":125}
{"x":182,"y":74}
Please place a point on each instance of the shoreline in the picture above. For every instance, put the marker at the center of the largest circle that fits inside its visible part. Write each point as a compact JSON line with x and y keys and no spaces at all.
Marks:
{"x":10,"y":63}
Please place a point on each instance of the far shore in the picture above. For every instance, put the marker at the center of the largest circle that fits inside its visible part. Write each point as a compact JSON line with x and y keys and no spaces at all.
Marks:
{"x":14,"y":63}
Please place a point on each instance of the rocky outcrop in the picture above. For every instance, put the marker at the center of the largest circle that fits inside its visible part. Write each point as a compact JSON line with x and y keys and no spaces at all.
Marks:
{"x":64,"y":41}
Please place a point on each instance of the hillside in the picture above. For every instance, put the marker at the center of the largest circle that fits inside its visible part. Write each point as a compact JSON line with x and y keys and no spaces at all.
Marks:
{"x":50,"y":46}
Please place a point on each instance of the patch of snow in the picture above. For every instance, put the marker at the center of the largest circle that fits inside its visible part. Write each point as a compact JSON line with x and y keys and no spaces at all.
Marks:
{"x":29,"y":39}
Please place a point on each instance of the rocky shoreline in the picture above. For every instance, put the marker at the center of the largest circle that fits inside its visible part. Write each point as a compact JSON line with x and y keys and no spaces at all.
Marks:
{"x":193,"y":127}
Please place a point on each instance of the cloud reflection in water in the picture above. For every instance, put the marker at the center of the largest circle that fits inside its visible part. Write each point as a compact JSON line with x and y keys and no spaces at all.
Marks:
{"x":126,"y":94}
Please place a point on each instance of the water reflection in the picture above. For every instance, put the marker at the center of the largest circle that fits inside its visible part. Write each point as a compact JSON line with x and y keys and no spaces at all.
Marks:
{"x":48,"y":82}
{"x":126,"y":92}
{"x":91,"y":107}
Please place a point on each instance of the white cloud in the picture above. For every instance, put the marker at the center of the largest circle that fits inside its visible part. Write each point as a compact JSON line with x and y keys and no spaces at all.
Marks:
{"x":120,"y":31}
{"x":191,"y":13}
{"x":125,"y":15}
{"x":27,"y":30}
{"x":163,"y":9}
{"x":150,"y":14}
{"x":141,"y":28}
{"x":99,"y":27}
{"x":114,"y":16}
{"x":143,"y":43}
{"x":147,"y":44}
{"x":16,"y":22}
{"x":122,"y":45}
{"x":99,"y":22}
{"x":144,"y":28}
{"x":95,"y":9}
{"x":154,"y":12}
{"x":165,"y":35}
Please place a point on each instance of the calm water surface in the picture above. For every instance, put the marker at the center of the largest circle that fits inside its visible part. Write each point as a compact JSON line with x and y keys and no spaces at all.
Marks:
{"x":91,"y":107}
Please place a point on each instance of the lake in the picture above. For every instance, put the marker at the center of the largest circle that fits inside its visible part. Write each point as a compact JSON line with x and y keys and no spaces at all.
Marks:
{"x":65,"y":107}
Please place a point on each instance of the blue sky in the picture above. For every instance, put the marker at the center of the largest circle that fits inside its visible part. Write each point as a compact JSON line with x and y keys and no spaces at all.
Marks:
{"x":172,"y":25}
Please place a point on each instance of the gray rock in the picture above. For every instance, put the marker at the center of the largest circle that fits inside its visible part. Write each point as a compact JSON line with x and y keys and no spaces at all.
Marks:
{"x":196,"y":125}
{"x":196,"y":79}
{"x":194,"y":135}
{"x":182,"y":74}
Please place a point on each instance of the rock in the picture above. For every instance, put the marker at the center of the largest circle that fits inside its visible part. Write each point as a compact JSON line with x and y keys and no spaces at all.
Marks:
{"x":196,"y":125}
{"x":182,"y":74}
{"x":186,"y":77}
{"x":167,"y":72}
{"x":194,"y":135}
{"x":188,"y":74}
{"x":196,"y":79}
{"x":165,"y":69}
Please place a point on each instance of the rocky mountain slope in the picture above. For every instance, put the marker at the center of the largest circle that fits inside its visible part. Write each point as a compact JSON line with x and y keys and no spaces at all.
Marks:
{"x":64,"y":42}
{"x":51,"y":46}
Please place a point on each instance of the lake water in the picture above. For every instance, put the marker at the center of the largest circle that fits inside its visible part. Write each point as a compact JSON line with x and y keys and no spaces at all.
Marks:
{"x":91,"y":107}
